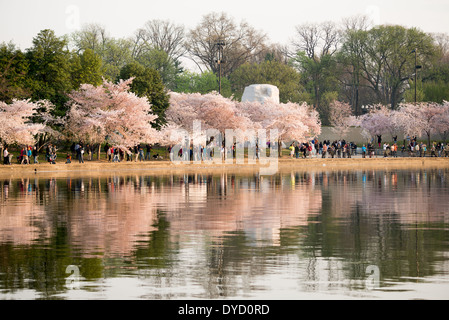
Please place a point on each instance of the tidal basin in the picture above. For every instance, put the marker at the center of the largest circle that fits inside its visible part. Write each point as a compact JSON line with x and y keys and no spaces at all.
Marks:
{"x":367,"y":233}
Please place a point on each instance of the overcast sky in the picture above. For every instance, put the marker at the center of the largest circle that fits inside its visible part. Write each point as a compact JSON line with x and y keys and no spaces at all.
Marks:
{"x":21,"y":20}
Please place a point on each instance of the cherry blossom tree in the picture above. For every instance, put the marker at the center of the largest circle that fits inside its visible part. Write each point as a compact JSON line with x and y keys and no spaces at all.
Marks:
{"x":441,"y":123}
{"x":205,"y":118}
{"x":17,"y":125}
{"x":418,"y":119}
{"x":341,"y":118}
{"x":297,"y":122}
{"x":293,"y":121}
{"x":380,"y":120}
{"x":110,"y":112}
{"x":212,"y":110}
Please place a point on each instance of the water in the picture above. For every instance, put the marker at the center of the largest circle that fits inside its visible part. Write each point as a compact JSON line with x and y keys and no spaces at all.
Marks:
{"x":295,"y":235}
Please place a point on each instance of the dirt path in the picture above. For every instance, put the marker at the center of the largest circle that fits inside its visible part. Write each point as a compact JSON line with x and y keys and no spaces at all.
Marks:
{"x":97,"y":168}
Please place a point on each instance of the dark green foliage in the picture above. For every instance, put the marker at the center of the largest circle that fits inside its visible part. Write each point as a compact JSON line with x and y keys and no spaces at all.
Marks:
{"x":147,"y":83}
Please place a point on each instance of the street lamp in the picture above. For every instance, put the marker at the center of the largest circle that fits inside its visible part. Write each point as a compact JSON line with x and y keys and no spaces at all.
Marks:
{"x":416,"y":69}
{"x":220,"y":44}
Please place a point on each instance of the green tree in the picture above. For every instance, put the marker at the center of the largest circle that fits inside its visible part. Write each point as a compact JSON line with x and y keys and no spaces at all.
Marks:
{"x":205,"y":82}
{"x":388,"y":59}
{"x":318,"y":77}
{"x":409,"y":93}
{"x":13,"y":73}
{"x":160,"y":61}
{"x":116,"y":54}
{"x":49,"y":69}
{"x":283,"y":76}
{"x":86,"y":68}
{"x":147,"y":83}
{"x":435,"y":91}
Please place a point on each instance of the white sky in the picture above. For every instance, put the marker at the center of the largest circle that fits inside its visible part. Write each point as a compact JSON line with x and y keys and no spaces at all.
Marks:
{"x":21,"y":20}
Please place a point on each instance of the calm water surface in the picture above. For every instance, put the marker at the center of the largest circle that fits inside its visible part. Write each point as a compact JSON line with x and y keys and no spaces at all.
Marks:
{"x":294,"y":235}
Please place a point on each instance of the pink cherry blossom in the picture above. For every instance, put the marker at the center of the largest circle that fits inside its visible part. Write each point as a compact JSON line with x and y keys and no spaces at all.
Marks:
{"x":341,"y":118}
{"x":421,"y":118}
{"x":16,"y":125}
{"x":110,"y":112}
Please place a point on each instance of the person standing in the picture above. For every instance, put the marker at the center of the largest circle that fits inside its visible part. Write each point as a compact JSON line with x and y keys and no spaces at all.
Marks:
{"x":81,"y":153}
{"x":89,"y":152}
{"x":148,"y":156}
{"x":48,"y":151}
{"x":297,"y":151}
{"x":116,"y":155}
{"x":141,"y":155}
{"x":35,"y":155}
{"x":6,"y":156}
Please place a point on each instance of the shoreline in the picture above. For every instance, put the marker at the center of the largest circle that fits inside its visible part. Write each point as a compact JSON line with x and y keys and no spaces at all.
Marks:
{"x":101,"y":168}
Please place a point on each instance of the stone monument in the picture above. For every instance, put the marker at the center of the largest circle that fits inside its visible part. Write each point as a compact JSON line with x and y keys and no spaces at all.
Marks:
{"x":261,"y":93}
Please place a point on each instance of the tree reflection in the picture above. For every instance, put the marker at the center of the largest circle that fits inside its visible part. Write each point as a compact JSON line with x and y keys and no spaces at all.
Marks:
{"x":222,"y":233}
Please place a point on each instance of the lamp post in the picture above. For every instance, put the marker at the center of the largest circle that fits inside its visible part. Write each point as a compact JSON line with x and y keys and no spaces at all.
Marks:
{"x":416,"y":69}
{"x":220,"y":44}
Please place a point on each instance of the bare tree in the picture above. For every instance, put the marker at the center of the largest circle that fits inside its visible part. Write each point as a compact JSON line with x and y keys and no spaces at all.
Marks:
{"x":240,"y":42}
{"x":441,"y":41}
{"x":273,"y":51}
{"x":357,"y":22}
{"x":316,"y":39}
{"x":162,"y":35}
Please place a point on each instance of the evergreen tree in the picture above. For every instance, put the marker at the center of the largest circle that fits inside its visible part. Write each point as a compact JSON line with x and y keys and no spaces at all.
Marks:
{"x":49,"y":69}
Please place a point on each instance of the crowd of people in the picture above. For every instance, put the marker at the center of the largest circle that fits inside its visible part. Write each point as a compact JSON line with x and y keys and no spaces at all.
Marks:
{"x":420,"y":149}
{"x":324,"y":149}
{"x":136,"y":153}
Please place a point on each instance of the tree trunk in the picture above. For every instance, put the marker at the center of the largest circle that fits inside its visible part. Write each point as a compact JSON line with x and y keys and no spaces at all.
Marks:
{"x":99,"y":150}
{"x":279,"y":148}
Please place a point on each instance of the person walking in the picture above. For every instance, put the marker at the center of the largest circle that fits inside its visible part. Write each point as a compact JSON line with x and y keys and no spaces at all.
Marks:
{"x":24,"y":156}
{"x":29,"y":154}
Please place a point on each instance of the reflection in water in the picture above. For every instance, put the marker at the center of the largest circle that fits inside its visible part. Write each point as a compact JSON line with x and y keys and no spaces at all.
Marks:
{"x":223,"y":235}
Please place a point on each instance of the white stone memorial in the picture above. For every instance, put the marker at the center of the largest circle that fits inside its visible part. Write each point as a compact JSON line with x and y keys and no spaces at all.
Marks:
{"x":261,"y":93}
